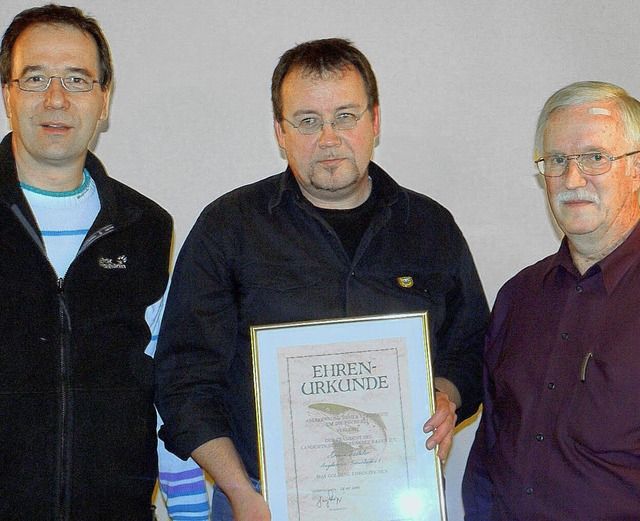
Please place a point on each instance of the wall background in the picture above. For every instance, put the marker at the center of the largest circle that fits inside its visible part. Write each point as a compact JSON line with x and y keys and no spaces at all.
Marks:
{"x":461,"y":85}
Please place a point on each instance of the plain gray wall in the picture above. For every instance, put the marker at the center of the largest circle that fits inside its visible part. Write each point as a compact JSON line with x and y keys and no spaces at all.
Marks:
{"x":461,"y":85}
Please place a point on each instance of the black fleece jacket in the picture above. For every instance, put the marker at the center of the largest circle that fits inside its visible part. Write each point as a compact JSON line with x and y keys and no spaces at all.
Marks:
{"x":77,"y":423}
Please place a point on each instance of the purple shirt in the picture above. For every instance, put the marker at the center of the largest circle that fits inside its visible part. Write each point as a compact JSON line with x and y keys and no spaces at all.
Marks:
{"x":560,"y":433}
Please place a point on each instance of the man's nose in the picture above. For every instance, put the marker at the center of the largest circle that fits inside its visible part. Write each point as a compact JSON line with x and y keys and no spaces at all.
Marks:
{"x":328,"y":135}
{"x":56,"y":96}
{"x":573,"y":176}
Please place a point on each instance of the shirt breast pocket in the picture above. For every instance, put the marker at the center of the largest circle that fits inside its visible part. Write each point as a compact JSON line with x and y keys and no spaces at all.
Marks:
{"x":272,"y":292}
{"x":605,"y":411}
{"x":275,"y":277}
{"x":425,"y":290}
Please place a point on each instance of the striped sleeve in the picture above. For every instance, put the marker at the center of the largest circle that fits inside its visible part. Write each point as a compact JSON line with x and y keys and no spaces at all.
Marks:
{"x":183,"y":487}
{"x":182,"y":483}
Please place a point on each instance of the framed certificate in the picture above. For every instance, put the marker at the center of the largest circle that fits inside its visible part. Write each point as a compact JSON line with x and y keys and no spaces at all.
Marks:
{"x":340,"y":406}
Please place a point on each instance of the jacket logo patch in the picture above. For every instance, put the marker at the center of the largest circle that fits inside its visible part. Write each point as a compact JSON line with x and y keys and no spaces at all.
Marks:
{"x":405,"y":282}
{"x":109,"y":264}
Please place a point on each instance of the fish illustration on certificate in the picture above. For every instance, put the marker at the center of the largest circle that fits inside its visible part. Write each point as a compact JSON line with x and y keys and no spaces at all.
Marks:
{"x":350,"y":431}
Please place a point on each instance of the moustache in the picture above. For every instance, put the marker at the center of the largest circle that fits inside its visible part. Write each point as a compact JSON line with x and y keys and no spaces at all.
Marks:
{"x":567,"y":197}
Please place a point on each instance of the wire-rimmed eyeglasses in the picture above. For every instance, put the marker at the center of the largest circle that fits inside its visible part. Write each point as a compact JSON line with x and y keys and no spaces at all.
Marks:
{"x":314,"y":124}
{"x":40,"y":83}
{"x":593,"y":163}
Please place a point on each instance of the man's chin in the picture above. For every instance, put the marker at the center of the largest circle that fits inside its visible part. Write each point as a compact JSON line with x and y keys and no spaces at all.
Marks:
{"x":332,"y":187}
{"x":331,"y":180}
{"x":577,"y":227}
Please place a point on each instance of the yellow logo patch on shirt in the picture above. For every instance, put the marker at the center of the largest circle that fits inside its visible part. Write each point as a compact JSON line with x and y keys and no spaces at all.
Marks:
{"x":405,"y":282}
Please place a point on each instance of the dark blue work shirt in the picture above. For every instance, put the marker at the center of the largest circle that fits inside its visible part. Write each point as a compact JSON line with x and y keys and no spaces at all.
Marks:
{"x":560,"y":433}
{"x":262,"y":254}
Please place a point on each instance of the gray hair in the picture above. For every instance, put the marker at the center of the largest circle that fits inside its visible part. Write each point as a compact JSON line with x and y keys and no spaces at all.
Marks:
{"x":584,"y":92}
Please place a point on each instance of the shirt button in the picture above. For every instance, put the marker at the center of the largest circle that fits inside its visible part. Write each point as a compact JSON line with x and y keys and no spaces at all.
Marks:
{"x":579,"y":289}
{"x":539,"y":437}
{"x":530,"y":490}
{"x":565,"y":336}
{"x":551,"y":385}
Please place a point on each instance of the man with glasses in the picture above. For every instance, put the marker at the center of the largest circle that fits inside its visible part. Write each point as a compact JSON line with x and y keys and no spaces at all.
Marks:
{"x":560,"y":432}
{"x":84,"y":267}
{"x":332,"y":236}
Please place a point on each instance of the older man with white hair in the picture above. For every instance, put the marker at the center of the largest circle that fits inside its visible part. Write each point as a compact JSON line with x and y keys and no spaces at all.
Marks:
{"x":560,"y":433}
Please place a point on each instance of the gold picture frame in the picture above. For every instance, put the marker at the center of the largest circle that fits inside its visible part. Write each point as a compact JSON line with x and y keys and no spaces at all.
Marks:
{"x":340,"y":406}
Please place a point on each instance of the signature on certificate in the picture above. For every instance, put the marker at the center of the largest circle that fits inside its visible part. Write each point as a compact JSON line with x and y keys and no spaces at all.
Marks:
{"x":329,"y":500}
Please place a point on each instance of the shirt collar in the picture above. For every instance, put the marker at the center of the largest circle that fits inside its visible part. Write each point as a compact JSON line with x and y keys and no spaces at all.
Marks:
{"x":388,"y":191}
{"x":613,"y":267}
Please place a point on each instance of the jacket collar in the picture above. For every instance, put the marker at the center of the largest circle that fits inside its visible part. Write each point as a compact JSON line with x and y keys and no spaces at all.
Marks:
{"x":9,"y":187}
{"x":112,"y":208}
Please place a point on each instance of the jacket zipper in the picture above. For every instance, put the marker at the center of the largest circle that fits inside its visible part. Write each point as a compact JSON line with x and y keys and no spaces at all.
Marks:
{"x":65,"y":332}
{"x":65,"y":338}
{"x":98,"y":234}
